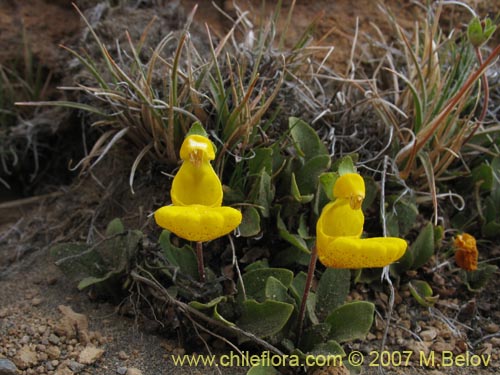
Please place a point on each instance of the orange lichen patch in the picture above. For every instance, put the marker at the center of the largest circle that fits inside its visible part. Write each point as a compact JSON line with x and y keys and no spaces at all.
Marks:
{"x":466,"y":253}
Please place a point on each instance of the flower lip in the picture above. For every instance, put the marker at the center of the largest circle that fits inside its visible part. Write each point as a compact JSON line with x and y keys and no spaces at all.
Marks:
{"x":197,"y":149}
{"x":349,"y":186}
{"x":356,"y":201}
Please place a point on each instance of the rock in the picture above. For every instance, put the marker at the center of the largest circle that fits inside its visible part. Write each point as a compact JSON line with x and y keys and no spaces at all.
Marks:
{"x":7,"y":367}
{"x":75,"y":366}
{"x":429,"y":334}
{"x":121,"y":370}
{"x":53,"y":339}
{"x":133,"y":371}
{"x":4,"y":313}
{"x":442,"y":346}
{"x":492,"y":328}
{"x":417,"y":347}
{"x":122,"y":355}
{"x":25,"y":339}
{"x":63,"y":371}
{"x":53,"y":352}
{"x":26,"y":357}
{"x":36,"y":301}
{"x":72,"y":325}
{"x":90,"y":354}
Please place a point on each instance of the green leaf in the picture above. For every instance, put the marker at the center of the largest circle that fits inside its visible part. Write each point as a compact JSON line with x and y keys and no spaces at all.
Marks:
{"x":250,"y":225}
{"x":314,"y":335}
{"x":264,"y":319}
{"x":114,"y":227}
{"x":422,"y":292}
{"x":255,"y":281}
{"x":262,"y":160}
{"x":423,"y":247}
{"x":296,"y":192}
{"x":209,"y":305}
{"x":298,"y":285}
{"x":92,"y":280}
{"x":332,"y":291}
{"x":329,"y":348}
{"x":262,"y":370}
{"x":483,"y":174}
{"x":403,"y":214}
{"x":293,"y":239}
{"x":480,"y":32}
{"x":308,"y":175}
{"x":327,"y":181}
{"x":117,"y":252}
{"x":351,"y":321}
{"x":212,"y":306}
{"x":184,"y":257}
{"x":265,"y":194}
{"x":77,"y":261}
{"x":477,"y":280}
{"x":276,"y":291}
{"x":346,"y":165}
{"x":91,"y":265}
{"x":290,"y":257}
{"x":307,"y":142}
{"x":403,"y":264}
{"x":197,"y":129}
{"x":258,"y":264}
{"x":491,"y":229}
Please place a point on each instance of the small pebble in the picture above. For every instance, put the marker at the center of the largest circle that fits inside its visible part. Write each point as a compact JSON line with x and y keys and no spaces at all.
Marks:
{"x":36,"y":301}
{"x":122,"y":355}
{"x":75,"y":366}
{"x":7,"y":367}
{"x":53,"y":339}
{"x":492,"y":328}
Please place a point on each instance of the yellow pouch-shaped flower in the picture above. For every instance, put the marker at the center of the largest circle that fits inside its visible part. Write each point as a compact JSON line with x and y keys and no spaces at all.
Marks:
{"x":340,"y":226}
{"x":339,"y":219}
{"x":349,"y":252}
{"x":196,"y":181}
{"x":197,"y":222}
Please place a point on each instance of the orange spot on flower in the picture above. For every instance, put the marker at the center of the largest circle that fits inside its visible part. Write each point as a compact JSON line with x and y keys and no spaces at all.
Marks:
{"x":466,"y":252}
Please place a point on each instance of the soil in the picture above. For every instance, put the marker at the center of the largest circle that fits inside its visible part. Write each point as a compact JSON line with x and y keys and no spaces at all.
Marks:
{"x":33,"y":289}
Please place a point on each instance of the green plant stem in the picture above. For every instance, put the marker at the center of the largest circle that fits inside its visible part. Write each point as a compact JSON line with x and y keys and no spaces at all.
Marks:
{"x":307,"y":288}
{"x":199,"y":257}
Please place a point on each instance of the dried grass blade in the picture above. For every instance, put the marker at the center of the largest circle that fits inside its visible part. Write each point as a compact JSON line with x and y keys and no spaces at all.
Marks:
{"x":137,"y":160}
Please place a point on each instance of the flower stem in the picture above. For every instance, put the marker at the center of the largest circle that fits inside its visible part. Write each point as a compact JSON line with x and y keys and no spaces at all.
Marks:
{"x":199,"y":257}
{"x":307,"y":288}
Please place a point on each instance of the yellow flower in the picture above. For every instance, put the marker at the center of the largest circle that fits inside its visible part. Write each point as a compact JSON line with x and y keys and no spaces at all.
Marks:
{"x":196,"y":213}
{"x":466,"y":252}
{"x":340,"y":226}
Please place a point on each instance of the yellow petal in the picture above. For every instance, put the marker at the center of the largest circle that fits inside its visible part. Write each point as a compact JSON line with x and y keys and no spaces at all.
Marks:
{"x":338,"y":219}
{"x":198,"y":223}
{"x":199,"y":145}
{"x":196,"y":185}
{"x":348,"y":252}
{"x":350,"y":186}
